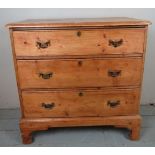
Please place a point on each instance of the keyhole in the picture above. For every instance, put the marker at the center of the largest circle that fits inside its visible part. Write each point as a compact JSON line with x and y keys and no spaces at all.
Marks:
{"x":78,"y":33}
{"x":80,"y":94}
{"x":80,"y":63}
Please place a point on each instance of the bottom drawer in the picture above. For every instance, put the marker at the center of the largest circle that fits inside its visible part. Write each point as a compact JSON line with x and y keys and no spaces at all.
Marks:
{"x":75,"y":103}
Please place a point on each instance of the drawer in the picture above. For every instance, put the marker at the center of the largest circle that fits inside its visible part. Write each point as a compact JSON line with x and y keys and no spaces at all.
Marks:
{"x":68,"y":73}
{"x":79,"y":42}
{"x":80,"y":103}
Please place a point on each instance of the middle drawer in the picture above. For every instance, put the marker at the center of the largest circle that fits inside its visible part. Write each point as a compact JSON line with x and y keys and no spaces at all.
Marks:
{"x":70,"y":73}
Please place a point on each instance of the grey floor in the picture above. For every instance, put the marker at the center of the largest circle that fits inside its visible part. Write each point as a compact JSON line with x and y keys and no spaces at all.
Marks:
{"x":77,"y":137}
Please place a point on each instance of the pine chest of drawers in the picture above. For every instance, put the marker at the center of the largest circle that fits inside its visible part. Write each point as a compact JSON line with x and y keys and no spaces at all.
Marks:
{"x":79,"y":72}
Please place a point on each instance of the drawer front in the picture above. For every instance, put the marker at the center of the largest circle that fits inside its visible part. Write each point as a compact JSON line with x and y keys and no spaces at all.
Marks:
{"x":80,"y":103}
{"x":79,"y":73}
{"x":78,"y":42}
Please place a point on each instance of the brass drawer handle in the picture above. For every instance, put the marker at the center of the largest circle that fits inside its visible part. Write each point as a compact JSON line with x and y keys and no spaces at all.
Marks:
{"x":42,"y":44}
{"x":46,"y":75}
{"x":115,"y":43}
{"x":113,"y":103}
{"x":48,"y":105}
{"x":114,"y":73}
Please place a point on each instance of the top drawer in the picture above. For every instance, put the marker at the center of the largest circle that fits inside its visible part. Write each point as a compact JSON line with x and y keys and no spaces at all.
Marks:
{"x":79,"y":42}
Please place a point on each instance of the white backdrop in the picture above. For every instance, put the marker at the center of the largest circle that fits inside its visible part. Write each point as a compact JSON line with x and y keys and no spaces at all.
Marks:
{"x":8,"y":88}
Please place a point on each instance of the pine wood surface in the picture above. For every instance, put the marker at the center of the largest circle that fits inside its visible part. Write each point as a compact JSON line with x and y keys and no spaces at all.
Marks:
{"x":80,"y":103}
{"x":79,"y":42}
{"x":70,"y":22}
{"x":79,"y":72}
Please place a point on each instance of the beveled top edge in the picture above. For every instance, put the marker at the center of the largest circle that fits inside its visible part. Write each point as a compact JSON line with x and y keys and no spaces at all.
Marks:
{"x":71,"y":22}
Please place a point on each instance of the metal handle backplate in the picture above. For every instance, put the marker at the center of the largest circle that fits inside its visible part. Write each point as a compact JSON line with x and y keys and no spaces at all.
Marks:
{"x":43,"y":44}
{"x":114,"y":73}
{"x":48,"y":105}
{"x":113,"y":103}
{"x":46,"y":75}
{"x":115,"y":43}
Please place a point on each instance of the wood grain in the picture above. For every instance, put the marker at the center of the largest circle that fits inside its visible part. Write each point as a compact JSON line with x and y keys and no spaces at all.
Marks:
{"x":16,"y":71}
{"x":80,"y":103}
{"x":68,"y":70}
{"x":82,"y":22}
{"x":90,"y":42}
{"x":79,"y":73}
{"x":28,"y":126}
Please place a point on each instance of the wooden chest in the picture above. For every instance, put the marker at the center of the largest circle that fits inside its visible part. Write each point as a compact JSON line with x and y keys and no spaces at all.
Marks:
{"x":79,"y":72}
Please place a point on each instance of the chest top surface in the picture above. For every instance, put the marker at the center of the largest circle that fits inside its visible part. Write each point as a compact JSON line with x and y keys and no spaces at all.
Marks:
{"x":73,"y":22}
